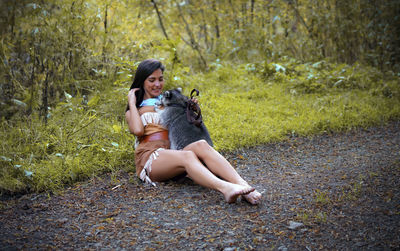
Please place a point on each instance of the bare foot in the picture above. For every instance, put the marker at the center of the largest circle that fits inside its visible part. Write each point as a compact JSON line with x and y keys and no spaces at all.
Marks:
{"x":253,"y":197}
{"x":234,"y":191}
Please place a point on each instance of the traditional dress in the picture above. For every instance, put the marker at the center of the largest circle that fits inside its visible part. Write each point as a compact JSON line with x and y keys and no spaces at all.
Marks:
{"x":147,"y":152}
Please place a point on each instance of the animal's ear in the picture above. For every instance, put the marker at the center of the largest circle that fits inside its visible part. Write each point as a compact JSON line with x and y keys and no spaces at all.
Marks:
{"x":179,"y":89}
{"x":167,"y":94}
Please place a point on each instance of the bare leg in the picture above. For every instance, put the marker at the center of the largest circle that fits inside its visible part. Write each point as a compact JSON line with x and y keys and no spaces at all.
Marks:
{"x":171,"y":163}
{"x":221,"y":167}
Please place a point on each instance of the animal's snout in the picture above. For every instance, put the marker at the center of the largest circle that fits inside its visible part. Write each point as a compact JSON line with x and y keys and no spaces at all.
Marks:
{"x":167,"y":94}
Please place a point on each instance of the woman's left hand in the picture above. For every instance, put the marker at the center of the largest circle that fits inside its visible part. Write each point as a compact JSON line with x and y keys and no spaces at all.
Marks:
{"x":195,"y":100}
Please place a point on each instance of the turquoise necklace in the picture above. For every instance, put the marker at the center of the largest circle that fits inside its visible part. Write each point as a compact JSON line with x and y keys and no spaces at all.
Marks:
{"x":151,"y":101}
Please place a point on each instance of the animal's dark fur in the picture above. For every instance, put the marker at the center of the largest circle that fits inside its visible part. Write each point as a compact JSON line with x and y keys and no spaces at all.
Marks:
{"x":173,"y":116}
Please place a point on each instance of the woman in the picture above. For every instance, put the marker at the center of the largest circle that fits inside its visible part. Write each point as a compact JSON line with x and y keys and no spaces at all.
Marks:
{"x":153,"y":158}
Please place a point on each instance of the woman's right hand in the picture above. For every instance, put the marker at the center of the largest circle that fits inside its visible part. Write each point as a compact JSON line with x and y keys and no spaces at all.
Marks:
{"x":132,"y":96}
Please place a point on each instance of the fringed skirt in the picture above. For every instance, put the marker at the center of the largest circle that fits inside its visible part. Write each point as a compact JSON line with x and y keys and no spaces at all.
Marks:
{"x":145,"y":154}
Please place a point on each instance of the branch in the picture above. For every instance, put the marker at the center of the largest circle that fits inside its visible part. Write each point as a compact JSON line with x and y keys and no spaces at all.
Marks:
{"x":195,"y":46}
{"x":160,"y":19}
{"x":296,"y":11}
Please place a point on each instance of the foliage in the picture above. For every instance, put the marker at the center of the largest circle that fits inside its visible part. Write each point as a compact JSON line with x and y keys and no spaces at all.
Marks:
{"x":263,"y":109}
{"x":83,"y":137}
{"x":265,"y":69}
{"x":365,"y":31}
{"x":79,"y":141}
{"x":48,"y":47}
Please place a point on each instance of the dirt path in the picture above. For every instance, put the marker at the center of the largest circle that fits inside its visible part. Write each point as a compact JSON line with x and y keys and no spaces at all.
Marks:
{"x":337,"y":191}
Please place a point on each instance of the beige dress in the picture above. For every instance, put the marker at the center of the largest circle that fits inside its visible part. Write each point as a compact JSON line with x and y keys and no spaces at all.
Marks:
{"x":146,"y":153}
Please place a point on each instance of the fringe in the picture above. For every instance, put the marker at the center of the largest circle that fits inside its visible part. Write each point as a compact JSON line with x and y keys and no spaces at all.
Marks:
{"x":144,"y":174}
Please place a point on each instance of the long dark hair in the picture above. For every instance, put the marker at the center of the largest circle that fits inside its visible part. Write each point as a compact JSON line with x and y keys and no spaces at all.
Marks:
{"x":145,"y":69}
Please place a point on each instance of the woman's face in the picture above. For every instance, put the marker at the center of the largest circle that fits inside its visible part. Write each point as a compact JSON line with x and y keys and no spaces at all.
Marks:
{"x":153,"y":84}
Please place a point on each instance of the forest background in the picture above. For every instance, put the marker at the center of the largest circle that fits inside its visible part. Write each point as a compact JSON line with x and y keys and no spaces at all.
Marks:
{"x":266,"y":70}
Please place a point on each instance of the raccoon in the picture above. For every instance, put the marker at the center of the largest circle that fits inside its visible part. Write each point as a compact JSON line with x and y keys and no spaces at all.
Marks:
{"x":178,"y":116}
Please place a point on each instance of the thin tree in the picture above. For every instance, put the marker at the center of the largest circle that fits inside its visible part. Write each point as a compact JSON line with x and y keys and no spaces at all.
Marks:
{"x":193,"y":43}
{"x":160,"y":19}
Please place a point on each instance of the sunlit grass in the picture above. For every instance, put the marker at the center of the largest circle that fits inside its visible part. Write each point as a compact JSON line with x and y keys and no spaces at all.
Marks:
{"x":235,"y":121}
{"x":242,"y":106}
{"x":253,"y":111}
{"x":79,"y":141}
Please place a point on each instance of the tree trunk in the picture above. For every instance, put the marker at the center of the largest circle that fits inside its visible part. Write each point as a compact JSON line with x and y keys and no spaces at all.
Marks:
{"x":204,"y":26}
{"x":71,"y":43}
{"x":104,"y":54}
{"x":45,"y":93}
{"x":298,"y":15}
{"x":195,"y":46}
{"x":32,"y":83}
{"x":216,"y":25}
{"x":160,"y":19}
{"x":13,"y":19}
{"x":252,"y":11}
{"x":244,"y":14}
{"x":237,"y":23}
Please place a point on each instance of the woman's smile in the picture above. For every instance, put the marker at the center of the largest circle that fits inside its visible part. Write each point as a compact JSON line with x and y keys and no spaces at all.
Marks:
{"x":153,"y":85}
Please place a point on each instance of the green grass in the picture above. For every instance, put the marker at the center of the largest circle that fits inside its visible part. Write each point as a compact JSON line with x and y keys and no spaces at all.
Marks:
{"x":243,"y":109}
{"x":79,"y":141}
{"x":242,"y":105}
{"x":235,"y":120}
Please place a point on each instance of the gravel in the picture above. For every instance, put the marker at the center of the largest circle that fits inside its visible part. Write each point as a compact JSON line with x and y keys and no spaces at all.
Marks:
{"x":333,"y":191}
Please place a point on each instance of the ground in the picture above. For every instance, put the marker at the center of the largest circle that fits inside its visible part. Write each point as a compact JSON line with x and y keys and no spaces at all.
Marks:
{"x":336,"y":191}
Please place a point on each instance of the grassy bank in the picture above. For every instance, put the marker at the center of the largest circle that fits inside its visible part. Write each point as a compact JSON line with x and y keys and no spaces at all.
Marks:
{"x":243,"y":105}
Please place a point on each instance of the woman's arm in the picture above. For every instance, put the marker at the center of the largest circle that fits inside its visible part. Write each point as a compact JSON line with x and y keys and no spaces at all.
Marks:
{"x":132,"y":115}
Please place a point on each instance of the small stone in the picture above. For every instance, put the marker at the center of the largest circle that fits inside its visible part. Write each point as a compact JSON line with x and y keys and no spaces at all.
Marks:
{"x":229,"y":249}
{"x":230,"y":242}
{"x":361,"y":244}
{"x":26,"y":207}
{"x":62,"y":220}
{"x":282,"y":248}
{"x":294,"y":225}
{"x":303,"y":230}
